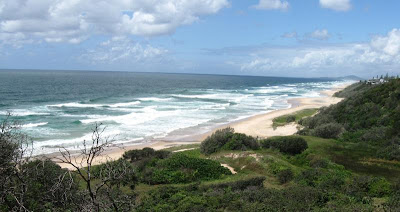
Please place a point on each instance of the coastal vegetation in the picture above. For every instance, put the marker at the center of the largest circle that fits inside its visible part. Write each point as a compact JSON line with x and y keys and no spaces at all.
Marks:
{"x":294,"y":117}
{"x":227,"y":139}
{"x":371,"y":117}
{"x":345,"y":158}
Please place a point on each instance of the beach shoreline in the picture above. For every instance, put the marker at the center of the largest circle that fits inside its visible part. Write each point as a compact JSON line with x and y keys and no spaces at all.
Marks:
{"x":258,"y":126}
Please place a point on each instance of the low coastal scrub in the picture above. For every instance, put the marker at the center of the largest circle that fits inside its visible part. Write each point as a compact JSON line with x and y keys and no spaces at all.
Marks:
{"x":286,"y":144}
{"x":145,"y":153}
{"x":227,"y":139}
{"x":285,"y":176}
{"x":163,"y":167}
{"x":180,"y":168}
{"x":369,"y":114}
{"x":295,"y":117}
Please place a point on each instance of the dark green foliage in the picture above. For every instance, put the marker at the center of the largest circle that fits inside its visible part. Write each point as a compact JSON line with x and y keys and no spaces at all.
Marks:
{"x":142,"y":157}
{"x":394,"y":201}
{"x":319,"y":163}
{"x":180,"y":168}
{"x":330,"y":130}
{"x":227,"y":139}
{"x":285,"y":176}
{"x":44,"y":186}
{"x":366,"y":186}
{"x":225,"y":199}
{"x":48,"y":186}
{"x":287,"y":144}
{"x":391,"y":150}
{"x":332,"y":179}
{"x":370,"y":113}
{"x":352,"y":90}
{"x":240,"y":141}
{"x":116,"y":173}
{"x":238,"y":184}
{"x":290,"y":118}
{"x":216,"y":141}
{"x":145,"y":153}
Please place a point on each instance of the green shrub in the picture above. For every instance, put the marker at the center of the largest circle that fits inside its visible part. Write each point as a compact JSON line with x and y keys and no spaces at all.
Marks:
{"x":362,"y":186}
{"x":288,"y":144}
{"x":330,"y":130}
{"x":180,"y":168}
{"x":290,"y":118}
{"x":390,"y":151}
{"x":379,"y":187}
{"x":145,"y":153}
{"x":215,"y":142}
{"x":374,"y":134}
{"x":318,"y":162}
{"x":238,"y":185}
{"x":285,"y":176}
{"x":229,"y":140}
{"x":118,"y":172}
{"x":48,"y":186}
{"x":240,"y":141}
{"x":394,"y":203}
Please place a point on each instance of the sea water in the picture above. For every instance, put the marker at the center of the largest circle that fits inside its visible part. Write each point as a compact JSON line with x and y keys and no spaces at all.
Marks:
{"x":60,"y":108}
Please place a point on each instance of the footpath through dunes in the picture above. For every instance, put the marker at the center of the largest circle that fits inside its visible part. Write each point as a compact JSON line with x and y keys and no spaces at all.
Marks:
{"x":261,"y":125}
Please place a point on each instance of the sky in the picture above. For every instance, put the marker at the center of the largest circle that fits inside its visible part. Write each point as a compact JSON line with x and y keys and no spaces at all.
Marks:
{"x":292,"y":38}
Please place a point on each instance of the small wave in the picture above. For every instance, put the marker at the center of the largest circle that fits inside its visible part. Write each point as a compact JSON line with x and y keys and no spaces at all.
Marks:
{"x":77,"y":122}
{"x":201,"y":96}
{"x":215,"y":107}
{"x":31,"y":125}
{"x":81,"y":105}
{"x":126,"y":104}
{"x":77,"y":105}
{"x":147,"y":114}
{"x":155,"y":99}
{"x":23,"y":112}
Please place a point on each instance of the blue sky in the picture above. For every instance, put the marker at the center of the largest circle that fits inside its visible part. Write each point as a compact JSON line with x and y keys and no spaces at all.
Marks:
{"x":309,"y":38}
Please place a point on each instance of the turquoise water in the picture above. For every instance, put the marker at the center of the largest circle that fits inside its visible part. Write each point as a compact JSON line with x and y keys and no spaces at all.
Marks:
{"x":59,"y":108}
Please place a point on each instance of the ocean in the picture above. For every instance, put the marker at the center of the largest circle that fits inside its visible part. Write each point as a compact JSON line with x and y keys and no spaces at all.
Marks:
{"x":60,"y":108}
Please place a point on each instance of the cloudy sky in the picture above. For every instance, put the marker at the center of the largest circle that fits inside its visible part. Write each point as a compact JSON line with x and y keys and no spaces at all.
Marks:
{"x":302,"y":38}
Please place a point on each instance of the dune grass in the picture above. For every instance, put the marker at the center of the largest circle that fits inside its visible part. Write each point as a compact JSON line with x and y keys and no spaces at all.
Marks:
{"x":293,"y":117}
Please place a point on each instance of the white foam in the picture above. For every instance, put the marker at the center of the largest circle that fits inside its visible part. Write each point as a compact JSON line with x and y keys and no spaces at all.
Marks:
{"x":31,"y":125}
{"x":76,"y":104}
{"x":126,"y":104}
{"x":23,"y":112}
{"x":155,"y":99}
{"x":147,"y":114}
{"x":201,"y":96}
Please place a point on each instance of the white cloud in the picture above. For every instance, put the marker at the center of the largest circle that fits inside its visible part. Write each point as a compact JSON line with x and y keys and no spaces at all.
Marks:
{"x":121,"y":48}
{"x":338,"y":5}
{"x":272,"y":5}
{"x":320,"y":34}
{"x":75,"y":20}
{"x":388,"y":44}
{"x":380,"y":53}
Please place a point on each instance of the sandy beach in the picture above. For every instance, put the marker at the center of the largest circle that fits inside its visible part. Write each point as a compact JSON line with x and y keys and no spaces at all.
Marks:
{"x":257,"y":126}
